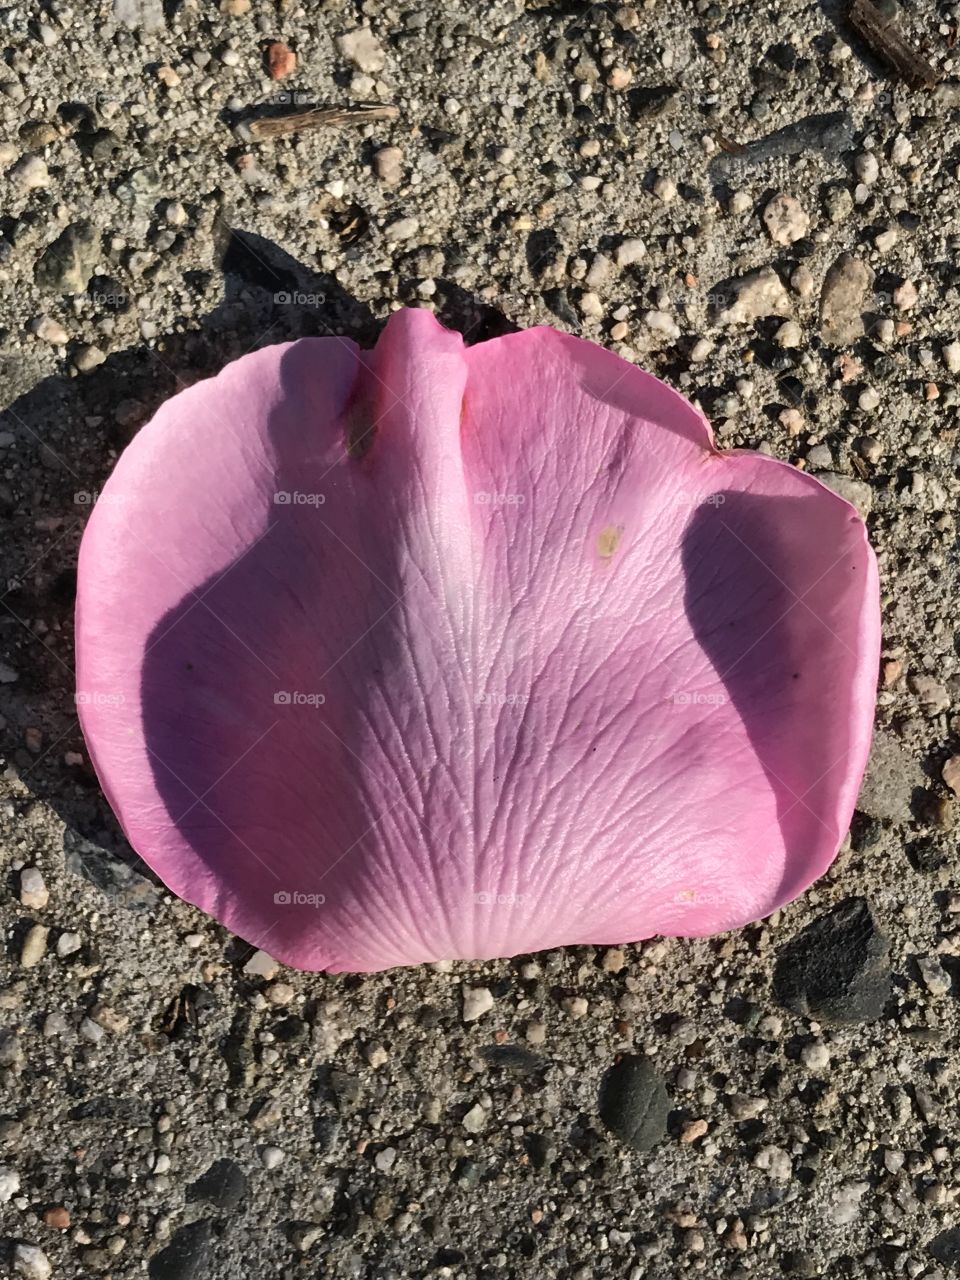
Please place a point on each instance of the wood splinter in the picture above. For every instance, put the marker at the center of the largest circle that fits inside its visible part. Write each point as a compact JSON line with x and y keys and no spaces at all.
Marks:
{"x":878,"y":26}
{"x":296,"y":121}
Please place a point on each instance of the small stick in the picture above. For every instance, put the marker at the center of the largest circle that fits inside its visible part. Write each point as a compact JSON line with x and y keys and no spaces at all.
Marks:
{"x":283,"y":125}
{"x":888,"y":42}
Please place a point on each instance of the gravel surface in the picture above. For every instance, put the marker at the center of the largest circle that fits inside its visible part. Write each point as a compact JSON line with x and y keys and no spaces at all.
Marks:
{"x":741,"y":199}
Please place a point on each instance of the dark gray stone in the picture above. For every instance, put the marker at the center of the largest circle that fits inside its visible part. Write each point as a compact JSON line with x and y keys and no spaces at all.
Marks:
{"x":186,"y":1256}
{"x":835,"y":970}
{"x":224,"y":1185}
{"x":634,"y":1104}
{"x":66,"y":265}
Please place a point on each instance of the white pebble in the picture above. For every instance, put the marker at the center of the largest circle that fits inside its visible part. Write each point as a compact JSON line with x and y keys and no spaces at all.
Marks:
{"x":30,"y":173}
{"x":68,"y":944}
{"x":30,"y":1261}
{"x":402,"y":229}
{"x":476,"y":1002}
{"x":261,"y":965}
{"x":700,"y":350}
{"x":33,"y":892}
{"x":475,"y":1119}
{"x":49,"y":330}
{"x":902,"y":150}
{"x":661,"y":322}
{"x":629,"y":252}
{"x":815,"y":1056}
{"x":935,"y":978}
{"x":866,"y":167}
{"x":362,"y":48}
{"x":789,"y":334}
{"x":785,"y":220}
{"x":739,"y":202}
{"x":868,"y":399}
{"x":591,"y":305}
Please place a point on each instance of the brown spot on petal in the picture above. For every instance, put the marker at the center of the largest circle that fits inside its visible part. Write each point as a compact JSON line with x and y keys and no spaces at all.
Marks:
{"x":609,"y":540}
{"x":360,"y":431}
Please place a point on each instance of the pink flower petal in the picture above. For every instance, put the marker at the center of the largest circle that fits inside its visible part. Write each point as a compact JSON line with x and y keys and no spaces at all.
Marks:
{"x":426,"y":652}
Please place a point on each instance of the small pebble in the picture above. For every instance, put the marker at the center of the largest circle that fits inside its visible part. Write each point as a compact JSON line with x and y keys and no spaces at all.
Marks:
{"x":261,"y":965}
{"x":388,"y":165}
{"x":476,"y":1002}
{"x":87,"y":358}
{"x":49,"y":330}
{"x":591,"y":306}
{"x":868,"y":400}
{"x":815,"y":1056}
{"x":866,"y":168}
{"x":30,"y":173}
{"x":902,"y":150}
{"x":743,"y":1107}
{"x":30,"y":1261}
{"x":280,"y":993}
{"x":68,"y":944}
{"x":92,"y":1031}
{"x":34,"y":946}
{"x":785,"y":220}
{"x":175,"y":214}
{"x":951,"y":356}
{"x":905,"y":296}
{"x":271,"y":1157}
{"x":402,"y":229}
{"x":629,"y":252}
{"x":575,"y":1006}
{"x":693,"y":1129}
{"x":475,"y":1119}
{"x":280,"y":60}
{"x":934,"y":976}
{"x":802,"y":282}
{"x":362,"y":48}
{"x":33,"y":891}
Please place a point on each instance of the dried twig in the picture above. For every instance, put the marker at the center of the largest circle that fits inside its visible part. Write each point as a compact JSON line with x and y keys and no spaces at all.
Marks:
{"x":281,"y":126}
{"x":889,"y":43}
